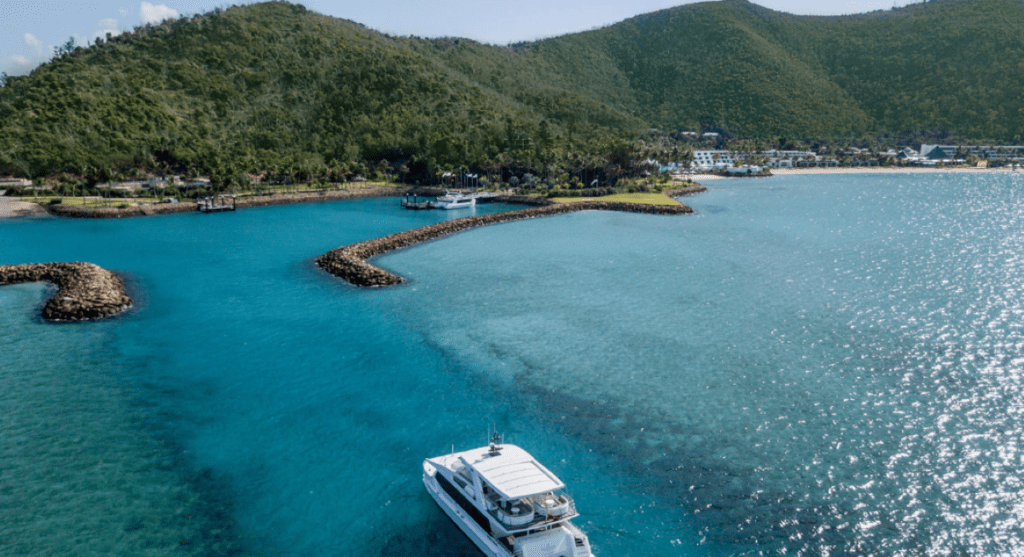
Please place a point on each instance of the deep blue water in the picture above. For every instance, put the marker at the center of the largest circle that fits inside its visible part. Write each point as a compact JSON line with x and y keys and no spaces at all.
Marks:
{"x":809,"y":365}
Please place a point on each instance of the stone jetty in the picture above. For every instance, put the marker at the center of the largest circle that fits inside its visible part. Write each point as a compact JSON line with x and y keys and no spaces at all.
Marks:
{"x":84,"y":291}
{"x":349,"y":262}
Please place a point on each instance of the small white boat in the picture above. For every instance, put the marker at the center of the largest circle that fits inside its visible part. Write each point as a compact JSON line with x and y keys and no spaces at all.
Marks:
{"x":454,"y":200}
{"x":506,"y":502}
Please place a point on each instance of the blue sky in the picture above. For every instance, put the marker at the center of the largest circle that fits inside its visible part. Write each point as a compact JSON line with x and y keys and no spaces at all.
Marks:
{"x":29,"y":29}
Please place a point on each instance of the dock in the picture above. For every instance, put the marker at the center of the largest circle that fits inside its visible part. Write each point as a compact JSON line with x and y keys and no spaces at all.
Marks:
{"x":217,"y":204}
{"x":413,"y":202}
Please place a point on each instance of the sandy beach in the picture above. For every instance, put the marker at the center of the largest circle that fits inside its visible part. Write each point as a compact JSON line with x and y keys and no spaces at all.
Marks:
{"x":15,"y":208}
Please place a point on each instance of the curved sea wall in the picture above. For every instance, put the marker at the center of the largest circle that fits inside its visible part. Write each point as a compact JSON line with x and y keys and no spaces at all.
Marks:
{"x":349,"y":262}
{"x":84,"y":291}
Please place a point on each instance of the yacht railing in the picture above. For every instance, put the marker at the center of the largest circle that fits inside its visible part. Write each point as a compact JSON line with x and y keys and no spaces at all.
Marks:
{"x":528,"y":512}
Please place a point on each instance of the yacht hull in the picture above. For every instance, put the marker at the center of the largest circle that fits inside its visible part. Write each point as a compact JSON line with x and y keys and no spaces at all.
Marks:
{"x":474,"y":532}
{"x":506,"y":502}
{"x":460,"y":205}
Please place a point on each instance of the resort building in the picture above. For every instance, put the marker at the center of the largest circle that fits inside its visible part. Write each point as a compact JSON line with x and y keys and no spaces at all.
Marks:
{"x":984,"y":152}
{"x":706,"y":160}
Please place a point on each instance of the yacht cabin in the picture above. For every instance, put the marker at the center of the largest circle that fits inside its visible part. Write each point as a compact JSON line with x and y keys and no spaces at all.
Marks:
{"x":505,"y":493}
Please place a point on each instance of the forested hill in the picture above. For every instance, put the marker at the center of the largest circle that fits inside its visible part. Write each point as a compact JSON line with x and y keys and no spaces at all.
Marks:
{"x":270,"y":85}
{"x":944,"y":65}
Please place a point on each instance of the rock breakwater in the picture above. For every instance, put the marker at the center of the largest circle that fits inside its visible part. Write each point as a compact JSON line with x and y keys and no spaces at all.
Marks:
{"x":84,"y":290}
{"x":349,"y":262}
{"x":242,"y":202}
{"x":689,"y":189}
{"x":77,"y":211}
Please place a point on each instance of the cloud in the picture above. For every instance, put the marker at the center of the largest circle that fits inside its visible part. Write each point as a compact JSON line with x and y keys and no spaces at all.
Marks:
{"x":109,"y":25}
{"x":155,"y":14}
{"x":21,"y":64}
{"x":32,"y":42}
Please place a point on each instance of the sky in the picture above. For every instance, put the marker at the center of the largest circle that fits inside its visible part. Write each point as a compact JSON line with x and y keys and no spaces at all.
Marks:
{"x":30,"y":29}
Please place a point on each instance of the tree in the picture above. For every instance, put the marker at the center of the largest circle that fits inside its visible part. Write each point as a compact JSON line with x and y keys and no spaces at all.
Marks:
{"x":64,"y":49}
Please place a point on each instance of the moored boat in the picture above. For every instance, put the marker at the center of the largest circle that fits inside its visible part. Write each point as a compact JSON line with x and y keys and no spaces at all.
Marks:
{"x":509,"y":504}
{"x":455,"y":200}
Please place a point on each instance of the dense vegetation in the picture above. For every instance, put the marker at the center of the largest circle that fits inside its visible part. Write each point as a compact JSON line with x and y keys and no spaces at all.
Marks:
{"x":275,"y":88}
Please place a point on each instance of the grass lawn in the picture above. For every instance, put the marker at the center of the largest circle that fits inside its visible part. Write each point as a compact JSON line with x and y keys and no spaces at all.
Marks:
{"x":90,"y":201}
{"x":306,"y":188}
{"x":638,"y":198}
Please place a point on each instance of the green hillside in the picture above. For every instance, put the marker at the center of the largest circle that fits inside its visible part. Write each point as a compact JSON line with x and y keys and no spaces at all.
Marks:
{"x":275,"y":87}
{"x":948,"y":65}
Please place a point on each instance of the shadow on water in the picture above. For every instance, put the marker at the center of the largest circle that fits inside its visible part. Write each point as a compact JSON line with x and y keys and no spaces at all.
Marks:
{"x":438,"y":536}
{"x":212,"y":530}
{"x":203,"y":503}
{"x":725,"y":508}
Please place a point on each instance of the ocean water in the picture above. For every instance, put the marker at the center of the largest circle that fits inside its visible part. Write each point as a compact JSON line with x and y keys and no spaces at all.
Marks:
{"x":810,"y":365}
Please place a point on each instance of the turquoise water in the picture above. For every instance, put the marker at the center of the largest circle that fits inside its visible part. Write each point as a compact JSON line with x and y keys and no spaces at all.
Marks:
{"x":809,"y":365}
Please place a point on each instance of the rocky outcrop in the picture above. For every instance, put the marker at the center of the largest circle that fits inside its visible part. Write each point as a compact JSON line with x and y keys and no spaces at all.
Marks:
{"x":241,"y":202}
{"x":689,"y":189}
{"x":77,"y":211}
{"x":349,"y":262}
{"x":518,"y":200}
{"x":84,"y":291}
{"x":327,"y":195}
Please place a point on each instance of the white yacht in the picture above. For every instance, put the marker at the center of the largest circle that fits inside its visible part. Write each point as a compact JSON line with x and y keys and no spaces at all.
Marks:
{"x":506,"y":502}
{"x":455,"y":200}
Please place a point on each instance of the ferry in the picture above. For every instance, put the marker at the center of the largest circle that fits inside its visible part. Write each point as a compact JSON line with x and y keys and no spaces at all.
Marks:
{"x":455,"y":200}
{"x":509,"y":504}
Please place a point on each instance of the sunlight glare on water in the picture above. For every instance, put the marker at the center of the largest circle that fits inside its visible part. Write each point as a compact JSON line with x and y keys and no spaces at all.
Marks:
{"x":818,"y":365}
{"x":810,"y":365}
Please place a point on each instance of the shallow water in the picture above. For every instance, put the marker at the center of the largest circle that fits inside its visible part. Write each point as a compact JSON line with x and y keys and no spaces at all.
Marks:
{"x":809,"y":365}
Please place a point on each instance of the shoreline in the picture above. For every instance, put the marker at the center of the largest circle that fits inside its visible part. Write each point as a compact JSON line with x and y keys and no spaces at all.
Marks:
{"x":84,"y":291}
{"x":20,"y":208}
{"x":885,"y":170}
{"x":150,"y":209}
{"x":350,"y":262}
{"x":854,"y":170}
{"x":13,"y":208}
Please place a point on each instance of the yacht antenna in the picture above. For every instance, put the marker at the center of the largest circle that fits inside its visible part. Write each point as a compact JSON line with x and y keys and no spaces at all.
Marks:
{"x":495,"y":443}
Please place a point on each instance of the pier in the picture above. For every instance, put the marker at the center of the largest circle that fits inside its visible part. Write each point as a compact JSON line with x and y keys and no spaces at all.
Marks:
{"x":217,"y":204}
{"x":412,"y":201}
